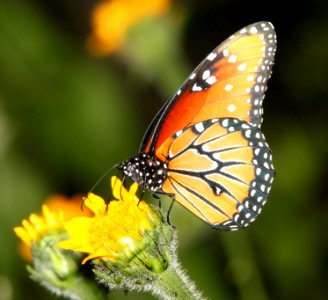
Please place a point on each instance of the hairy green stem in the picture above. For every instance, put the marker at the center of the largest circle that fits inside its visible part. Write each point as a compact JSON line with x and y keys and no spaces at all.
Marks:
{"x":175,"y":284}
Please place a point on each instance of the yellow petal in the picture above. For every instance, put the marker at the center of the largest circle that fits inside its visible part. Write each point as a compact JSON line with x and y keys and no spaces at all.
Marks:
{"x":119,"y":190}
{"x":95,"y":203}
{"x":23,"y":235}
{"x":78,"y":228}
{"x":113,"y":229}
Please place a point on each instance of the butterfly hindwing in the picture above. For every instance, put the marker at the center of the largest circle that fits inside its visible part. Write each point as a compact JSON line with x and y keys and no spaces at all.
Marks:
{"x":220,"y":170}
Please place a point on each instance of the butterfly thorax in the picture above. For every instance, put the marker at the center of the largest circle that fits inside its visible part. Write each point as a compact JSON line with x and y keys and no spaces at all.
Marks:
{"x":146,"y":170}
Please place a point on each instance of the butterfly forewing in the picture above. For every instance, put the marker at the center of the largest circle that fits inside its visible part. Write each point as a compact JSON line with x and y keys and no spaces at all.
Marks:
{"x":230,"y":82}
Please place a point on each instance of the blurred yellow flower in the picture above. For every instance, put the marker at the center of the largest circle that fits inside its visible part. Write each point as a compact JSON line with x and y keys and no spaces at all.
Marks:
{"x":36,"y":227}
{"x":55,"y":211}
{"x":116,"y":229}
{"x":111,"y":19}
{"x":71,"y":207}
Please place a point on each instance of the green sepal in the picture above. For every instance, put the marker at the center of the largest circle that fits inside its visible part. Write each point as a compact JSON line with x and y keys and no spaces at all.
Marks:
{"x":60,"y":270}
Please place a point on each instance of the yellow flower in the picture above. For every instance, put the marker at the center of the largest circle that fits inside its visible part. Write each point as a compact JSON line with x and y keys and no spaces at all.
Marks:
{"x":54,"y":268}
{"x":116,"y":229}
{"x":36,"y":226}
{"x":55,"y":211}
{"x":111,"y":20}
{"x":71,"y":207}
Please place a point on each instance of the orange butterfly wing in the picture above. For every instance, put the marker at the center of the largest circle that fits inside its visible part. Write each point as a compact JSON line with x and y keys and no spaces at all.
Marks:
{"x":219,"y":164}
{"x":204,"y":147}
{"x":230,"y":82}
{"x":220,"y":170}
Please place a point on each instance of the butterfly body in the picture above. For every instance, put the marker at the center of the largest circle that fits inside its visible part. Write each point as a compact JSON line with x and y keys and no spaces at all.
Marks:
{"x":205,"y":148}
{"x":149,"y":172}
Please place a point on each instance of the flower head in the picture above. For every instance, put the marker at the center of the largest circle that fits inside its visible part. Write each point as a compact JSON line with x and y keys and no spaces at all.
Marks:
{"x":40,"y":234}
{"x":53,"y":267}
{"x":37,"y":226}
{"x":117,"y":229}
{"x":111,"y":20}
{"x":128,"y":242}
{"x":55,"y":211}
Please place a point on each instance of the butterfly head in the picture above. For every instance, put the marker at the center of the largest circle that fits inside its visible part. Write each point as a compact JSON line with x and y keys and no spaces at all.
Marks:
{"x":145,"y":170}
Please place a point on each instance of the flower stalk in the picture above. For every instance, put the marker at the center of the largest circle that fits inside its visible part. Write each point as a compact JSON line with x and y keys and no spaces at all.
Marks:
{"x":174,"y":284}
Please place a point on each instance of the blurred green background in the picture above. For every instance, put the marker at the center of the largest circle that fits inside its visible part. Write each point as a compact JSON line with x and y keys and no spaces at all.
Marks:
{"x":66,"y":117}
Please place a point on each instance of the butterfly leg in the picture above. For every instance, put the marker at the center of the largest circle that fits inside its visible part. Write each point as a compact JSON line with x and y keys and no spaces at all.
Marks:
{"x":141,"y":196}
{"x":158,"y":194}
{"x":159,"y":200}
{"x":169,"y":211}
{"x":172,"y":196}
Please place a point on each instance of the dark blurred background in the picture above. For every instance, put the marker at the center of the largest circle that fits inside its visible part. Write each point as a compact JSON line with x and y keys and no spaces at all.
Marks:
{"x":66,"y":116}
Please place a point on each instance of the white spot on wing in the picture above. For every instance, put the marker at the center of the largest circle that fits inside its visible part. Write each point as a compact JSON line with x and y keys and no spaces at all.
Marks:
{"x":178,"y":133}
{"x":225,"y":52}
{"x":205,"y":148}
{"x":250,"y":78}
{"x":228,"y":87}
{"x":206,"y":74}
{"x":259,"y":78}
{"x":199,"y":127}
{"x":253,"y":30}
{"x":211,"y":80}
{"x":211,"y":56}
{"x":248,"y":133}
{"x":196,"y":88}
{"x":232,"y":58}
{"x":231,"y":108}
{"x":225,"y":123}
{"x":242,"y":67}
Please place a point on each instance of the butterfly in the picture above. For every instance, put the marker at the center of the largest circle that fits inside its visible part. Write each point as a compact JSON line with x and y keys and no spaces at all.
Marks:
{"x":205,"y":148}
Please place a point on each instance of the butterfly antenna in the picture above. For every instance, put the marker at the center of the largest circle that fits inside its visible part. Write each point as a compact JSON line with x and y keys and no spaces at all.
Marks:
{"x":102,"y":177}
{"x":122,"y":185}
